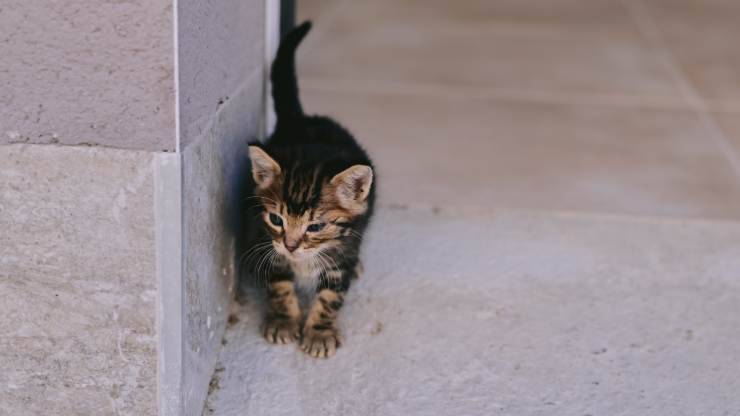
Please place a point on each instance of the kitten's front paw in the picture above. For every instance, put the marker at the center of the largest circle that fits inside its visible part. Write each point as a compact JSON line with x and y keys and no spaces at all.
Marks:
{"x":280,"y":331}
{"x":320,"y":343}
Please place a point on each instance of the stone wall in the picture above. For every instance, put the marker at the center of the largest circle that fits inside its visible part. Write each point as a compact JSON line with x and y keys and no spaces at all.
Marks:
{"x":77,"y":261}
{"x":221,"y":96}
{"x":76,"y":72}
{"x":122,"y":150}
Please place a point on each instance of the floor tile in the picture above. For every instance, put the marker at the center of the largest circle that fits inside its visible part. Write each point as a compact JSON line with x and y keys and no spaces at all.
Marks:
{"x":579,"y":46}
{"x":454,"y":152}
{"x":315,"y":10}
{"x":702,"y":36}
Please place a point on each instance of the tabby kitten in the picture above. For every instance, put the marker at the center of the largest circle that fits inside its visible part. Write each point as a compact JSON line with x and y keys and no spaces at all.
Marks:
{"x":314,"y":194}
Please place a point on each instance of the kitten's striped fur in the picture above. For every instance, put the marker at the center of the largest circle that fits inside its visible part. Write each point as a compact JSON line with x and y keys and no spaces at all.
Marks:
{"x":314,"y":193}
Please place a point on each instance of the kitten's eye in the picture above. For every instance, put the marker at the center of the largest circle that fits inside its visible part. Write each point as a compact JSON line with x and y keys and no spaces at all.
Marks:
{"x":276,"y":220}
{"x":313,"y":228}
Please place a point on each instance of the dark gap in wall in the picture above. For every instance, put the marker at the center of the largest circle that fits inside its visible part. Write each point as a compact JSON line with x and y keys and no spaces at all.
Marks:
{"x":287,"y":16}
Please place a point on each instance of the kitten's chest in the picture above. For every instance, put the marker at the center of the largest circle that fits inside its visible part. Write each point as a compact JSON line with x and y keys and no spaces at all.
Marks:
{"x":306,"y":273}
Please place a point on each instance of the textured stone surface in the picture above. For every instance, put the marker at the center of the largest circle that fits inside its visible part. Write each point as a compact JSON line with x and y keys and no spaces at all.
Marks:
{"x":77,"y":317}
{"x":220,"y":45}
{"x":212,"y":169}
{"x":214,"y":160}
{"x":463,"y":313}
{"x":76,"y":72}
{"x":78,"y":225}
{"x":168,"y":225}
{"x":221,"y":50}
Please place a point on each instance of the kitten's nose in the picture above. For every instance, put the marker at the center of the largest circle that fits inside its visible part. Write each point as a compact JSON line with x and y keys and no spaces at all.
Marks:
{"x":291,"y":245}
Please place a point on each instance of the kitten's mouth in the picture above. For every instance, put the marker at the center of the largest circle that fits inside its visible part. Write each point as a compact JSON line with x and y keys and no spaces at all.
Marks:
{"x":299,"y":254}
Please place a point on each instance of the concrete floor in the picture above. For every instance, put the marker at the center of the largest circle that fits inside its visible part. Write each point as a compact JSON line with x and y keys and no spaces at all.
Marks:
{"x":558,"y":232}
{"x":512,"y":313}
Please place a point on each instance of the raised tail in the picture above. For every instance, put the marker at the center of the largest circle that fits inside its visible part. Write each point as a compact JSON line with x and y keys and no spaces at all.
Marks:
{"x":283,"y":76}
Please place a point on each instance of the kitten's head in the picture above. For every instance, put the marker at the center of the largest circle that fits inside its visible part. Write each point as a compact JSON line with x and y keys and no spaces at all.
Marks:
{"x":308,"y":208}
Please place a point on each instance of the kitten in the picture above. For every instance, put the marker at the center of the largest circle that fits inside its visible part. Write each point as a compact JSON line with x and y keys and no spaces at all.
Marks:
{"x":314,"y":195}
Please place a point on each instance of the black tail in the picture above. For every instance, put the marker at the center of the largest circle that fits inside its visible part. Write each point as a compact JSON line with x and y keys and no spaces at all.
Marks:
{"x":283,"y":77}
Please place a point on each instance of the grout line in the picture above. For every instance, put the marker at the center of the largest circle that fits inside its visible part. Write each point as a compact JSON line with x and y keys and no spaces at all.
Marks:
{"x":320,"y":84}
{"x":176,"y":72}
{"x":493,"y":211}
{"x":482,"y":92}
{"x":168,"y":212}
{"x":651,"y":32}
{"x":90,"y":146}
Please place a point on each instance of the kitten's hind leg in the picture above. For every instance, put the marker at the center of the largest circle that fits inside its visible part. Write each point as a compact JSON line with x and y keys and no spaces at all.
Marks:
{"x":320,"y":336}
{"x":283,"y":321}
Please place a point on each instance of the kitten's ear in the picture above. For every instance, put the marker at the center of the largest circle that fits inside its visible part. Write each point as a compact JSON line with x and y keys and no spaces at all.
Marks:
{"x":264,"y":168}
{"x":353,"y":186}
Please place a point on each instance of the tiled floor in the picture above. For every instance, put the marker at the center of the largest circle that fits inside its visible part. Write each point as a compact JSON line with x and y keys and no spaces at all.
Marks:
{"x":560,"y":212}
{"x":578,"y":105}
